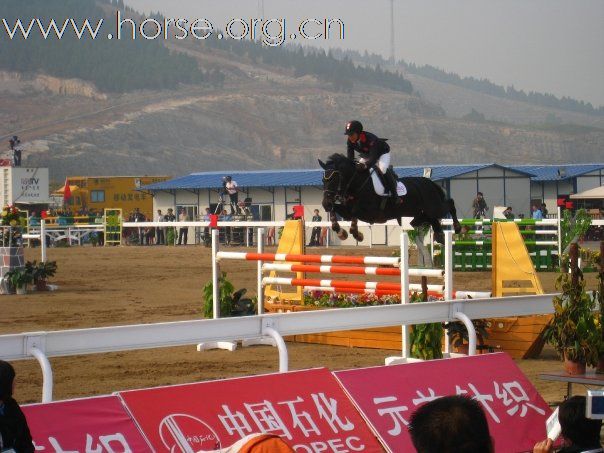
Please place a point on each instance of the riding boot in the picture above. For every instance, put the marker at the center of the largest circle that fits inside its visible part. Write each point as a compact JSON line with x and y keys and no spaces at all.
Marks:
{"x":392,"y":184}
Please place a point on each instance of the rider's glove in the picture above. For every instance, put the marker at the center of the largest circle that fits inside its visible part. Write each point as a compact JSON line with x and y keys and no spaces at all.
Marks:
{"x":361,"y":166}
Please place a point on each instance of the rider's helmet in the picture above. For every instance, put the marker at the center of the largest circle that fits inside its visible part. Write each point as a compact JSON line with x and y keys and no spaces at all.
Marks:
{"x":353,"y":127}
{"x":227,"y":178}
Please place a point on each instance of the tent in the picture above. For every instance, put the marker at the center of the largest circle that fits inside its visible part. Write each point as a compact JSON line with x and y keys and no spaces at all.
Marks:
{"x":591,"y":194}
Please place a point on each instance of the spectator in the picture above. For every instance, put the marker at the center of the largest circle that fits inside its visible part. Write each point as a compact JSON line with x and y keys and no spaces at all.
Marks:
{"x":315,"y":237}
{"x":100,"y":234}
{"x":537,"y":214}
{"x":170,"y":217}
{"x":16,"y":150}
{"x":452,"y":424}
{"x":479,"y":206}
{"x":507,"y":213}
{"x":544,"y":210}
{"x":232,"y":189}
{"x":138,"y":216}
{"x":160,"y":232}
{"x":183,"y":232}
{"x":226,"y":232}
{"x":14,"y":432}
{"x":580,"y":434}
{"x":244,"y":209}
{"x":206,"y":231}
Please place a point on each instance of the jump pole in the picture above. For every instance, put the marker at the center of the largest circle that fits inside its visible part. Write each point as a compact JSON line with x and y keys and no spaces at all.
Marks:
{"x":448,"y":276}
{"x":215,"y":275}
{"x":260,"y":287}
{"x":43,"y":239}
{"x":404,"y":266}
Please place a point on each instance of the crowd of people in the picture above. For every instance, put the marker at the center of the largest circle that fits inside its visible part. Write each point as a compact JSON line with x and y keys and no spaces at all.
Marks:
{"x":480,"y":209}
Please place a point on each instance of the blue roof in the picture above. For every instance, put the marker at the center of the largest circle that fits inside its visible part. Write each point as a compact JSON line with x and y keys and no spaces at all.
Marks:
{"x":556,"y":172}
{"x":313,"y":177}
{"x":289,"y":178}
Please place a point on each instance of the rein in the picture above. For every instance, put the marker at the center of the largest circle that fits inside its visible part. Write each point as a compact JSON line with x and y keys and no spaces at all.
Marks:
{"x":343,"y":193}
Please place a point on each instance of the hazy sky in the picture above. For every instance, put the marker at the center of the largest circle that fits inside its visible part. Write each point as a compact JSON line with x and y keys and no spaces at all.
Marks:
{"x":554,"y":46}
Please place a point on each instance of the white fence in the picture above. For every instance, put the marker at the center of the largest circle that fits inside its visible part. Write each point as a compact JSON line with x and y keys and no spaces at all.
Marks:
{"x":42,"y":345}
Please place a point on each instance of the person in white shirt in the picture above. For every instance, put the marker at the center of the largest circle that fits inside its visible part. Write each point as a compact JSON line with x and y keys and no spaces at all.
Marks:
{"x":160,"y":235}
{"x":183,"y":232}
{"x":232,"y":189}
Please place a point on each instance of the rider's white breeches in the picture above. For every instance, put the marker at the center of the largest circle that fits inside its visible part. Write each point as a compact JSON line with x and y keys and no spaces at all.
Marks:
{"x":383,"y":163}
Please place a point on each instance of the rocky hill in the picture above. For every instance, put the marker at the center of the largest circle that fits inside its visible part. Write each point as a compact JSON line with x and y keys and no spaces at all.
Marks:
{"x":264,"y":117}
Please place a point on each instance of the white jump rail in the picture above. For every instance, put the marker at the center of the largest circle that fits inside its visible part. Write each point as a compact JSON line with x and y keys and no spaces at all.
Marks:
{"x":43,"y":345}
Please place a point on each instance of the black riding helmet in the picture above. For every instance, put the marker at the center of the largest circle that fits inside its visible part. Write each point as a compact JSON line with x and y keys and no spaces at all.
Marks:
{"x":353,"y":127}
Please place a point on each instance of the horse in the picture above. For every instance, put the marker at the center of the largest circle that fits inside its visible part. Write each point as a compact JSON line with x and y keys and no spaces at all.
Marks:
{"x":349,"y":193}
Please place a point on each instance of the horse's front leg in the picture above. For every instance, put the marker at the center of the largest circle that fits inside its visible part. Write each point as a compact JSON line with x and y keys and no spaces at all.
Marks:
{"x":354,"y":230}
{"x":335,"y":226}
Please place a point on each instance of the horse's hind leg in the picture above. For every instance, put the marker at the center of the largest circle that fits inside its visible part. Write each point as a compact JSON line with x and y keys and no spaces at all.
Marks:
{"x":354,"y":230}
{"x":335,"y":226}
{"x":453,"y":212}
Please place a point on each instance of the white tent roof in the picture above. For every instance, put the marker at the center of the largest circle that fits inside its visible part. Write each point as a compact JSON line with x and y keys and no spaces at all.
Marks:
{"x":597,"y":193}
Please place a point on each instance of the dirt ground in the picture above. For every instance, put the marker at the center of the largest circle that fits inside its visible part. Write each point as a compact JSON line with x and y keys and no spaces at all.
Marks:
{"x":133,"y":285}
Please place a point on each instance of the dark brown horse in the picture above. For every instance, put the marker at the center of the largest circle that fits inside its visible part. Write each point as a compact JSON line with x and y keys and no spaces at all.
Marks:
{"x":349,"y":193}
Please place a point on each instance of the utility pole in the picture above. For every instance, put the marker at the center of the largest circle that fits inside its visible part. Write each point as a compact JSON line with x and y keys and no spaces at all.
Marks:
{"x":392,"y":49}
{"x":260,"y":9}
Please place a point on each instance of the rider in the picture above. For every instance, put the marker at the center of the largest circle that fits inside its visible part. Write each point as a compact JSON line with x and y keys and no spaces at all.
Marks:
{"x":374,"y":151}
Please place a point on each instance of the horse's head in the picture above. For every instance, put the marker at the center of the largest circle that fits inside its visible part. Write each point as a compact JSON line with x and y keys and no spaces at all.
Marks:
{"x":338,"y":171}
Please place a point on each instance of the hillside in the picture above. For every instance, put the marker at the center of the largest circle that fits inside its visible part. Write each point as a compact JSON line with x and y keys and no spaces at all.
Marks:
{"x":263,"y":116}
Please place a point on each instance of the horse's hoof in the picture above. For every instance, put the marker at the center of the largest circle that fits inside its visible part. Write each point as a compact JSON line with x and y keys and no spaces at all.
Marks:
{"x":359,"y":237}
{"x":457,"y":227}
{"x":439,"y":238}
{"x":342,"y":235}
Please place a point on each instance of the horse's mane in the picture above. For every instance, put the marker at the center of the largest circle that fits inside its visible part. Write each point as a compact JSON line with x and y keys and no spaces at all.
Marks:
{"x":338,"y":160}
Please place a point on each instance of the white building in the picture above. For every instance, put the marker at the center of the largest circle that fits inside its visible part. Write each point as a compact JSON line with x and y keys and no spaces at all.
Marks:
{"x":273,"y":193}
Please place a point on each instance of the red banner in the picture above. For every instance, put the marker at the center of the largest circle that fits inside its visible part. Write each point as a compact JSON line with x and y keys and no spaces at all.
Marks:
{"x":99,"y":425}
{"x":515,"y":411}
{"x":307,"y":409}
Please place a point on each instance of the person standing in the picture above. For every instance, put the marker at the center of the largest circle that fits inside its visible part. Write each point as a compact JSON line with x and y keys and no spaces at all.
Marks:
{"x":160,"y":232}
{"x":479,"y":206}
{"x":14,"y":432}
{"x":537,"y":214}
{"x":315,"y":237}
{"x":183,"y":232}
{"x":206,"y":231}
{"x":170,"y":232}
{"x":232,"y":189}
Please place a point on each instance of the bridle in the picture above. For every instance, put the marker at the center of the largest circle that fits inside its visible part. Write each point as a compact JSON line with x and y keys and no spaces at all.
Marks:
{"x":336,"y":195}
{"x":340,"y":196}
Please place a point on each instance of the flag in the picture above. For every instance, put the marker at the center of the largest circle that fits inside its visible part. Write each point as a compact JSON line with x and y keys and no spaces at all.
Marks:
{"x":66,"y":192}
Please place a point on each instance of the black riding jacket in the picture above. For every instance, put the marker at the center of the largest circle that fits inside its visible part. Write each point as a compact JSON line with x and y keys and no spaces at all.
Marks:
{"x":368,"y":146}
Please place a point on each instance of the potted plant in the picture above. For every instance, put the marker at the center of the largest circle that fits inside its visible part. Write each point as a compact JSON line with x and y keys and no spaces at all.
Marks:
{"x":225,"y":294}
{"x":458,"y":334}
{"x":600,"y":299}
{"x":41,"y":272}
{"x":573,"y":330}
{"x":425,"y":339}
{"x":18,"y":279}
